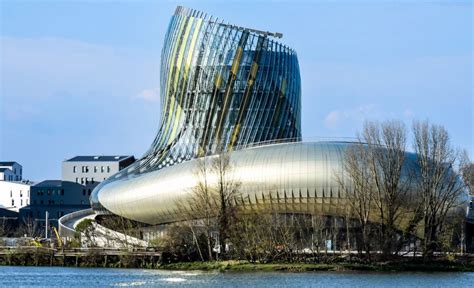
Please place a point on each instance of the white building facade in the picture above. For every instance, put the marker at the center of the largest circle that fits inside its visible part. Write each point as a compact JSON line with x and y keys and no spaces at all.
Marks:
{"x":14,"y":195}
{"x":10,"y":171}
{"x":91,"y":170}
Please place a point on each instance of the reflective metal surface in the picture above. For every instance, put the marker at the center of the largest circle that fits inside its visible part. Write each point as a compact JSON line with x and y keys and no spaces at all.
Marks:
{"x":227,"y":88}
{"x":222,"y":87}
{"x":282,"y":178}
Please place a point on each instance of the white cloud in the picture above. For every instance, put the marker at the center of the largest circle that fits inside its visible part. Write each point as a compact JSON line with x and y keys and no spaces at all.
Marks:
{"x":339,"y":117}
{"x":333,"y":118}
{"x":149,"y":95}
{"x":408,"y":113}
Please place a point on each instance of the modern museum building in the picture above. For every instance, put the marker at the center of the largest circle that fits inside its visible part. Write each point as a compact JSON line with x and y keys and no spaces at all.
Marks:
{"x":234,"y":90}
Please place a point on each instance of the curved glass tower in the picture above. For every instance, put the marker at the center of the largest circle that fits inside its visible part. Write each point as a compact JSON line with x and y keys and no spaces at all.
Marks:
{"x":223,"y":87}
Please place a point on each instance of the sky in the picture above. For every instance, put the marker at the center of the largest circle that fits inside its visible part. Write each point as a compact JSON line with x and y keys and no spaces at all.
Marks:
{"x":82,"y":77}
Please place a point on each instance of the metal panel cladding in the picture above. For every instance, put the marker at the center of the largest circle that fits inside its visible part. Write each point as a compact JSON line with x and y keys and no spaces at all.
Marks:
{"x":222,"y":88}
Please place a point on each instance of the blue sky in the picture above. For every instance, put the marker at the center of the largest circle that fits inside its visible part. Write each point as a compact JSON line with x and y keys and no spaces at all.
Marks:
{"x":81,"y":78}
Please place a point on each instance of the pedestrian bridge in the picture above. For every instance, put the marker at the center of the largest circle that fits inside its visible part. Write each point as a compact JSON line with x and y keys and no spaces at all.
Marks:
{"x":101,"y":237}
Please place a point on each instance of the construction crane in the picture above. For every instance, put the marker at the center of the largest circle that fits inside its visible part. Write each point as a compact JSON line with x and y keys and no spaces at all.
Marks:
{"x":60,"y":242}
{"x":36,"y":242}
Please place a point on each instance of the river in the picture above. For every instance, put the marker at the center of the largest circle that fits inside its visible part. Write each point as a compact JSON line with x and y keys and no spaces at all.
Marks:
{"x":99,"y":277}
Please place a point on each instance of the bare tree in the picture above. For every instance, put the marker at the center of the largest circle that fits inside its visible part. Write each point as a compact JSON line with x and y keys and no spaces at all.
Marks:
{"x":318,"y":225}
{"x":212,"y":203}
{"x":466,"y":167}
{"x":378,"y":186}
{"x":28,"y":227}
{"x":252,"y":237}
{"x":202,"y":205}
{"x":441,"y":188}
{"x":386,"y":145}
{"x":120,"y":230}
{"x":226,"y":188}
{"x":178,"y":244}
{"x":359,"y":190}
{"x":4,"y":227}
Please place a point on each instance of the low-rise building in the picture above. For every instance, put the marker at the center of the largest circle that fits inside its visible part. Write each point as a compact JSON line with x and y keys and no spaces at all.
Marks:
{"x":10,"y":171}
{"x":80,"y":175}
{"x":91,"y":170}
{"x":57,"y":197}
{"x":14,"y":195}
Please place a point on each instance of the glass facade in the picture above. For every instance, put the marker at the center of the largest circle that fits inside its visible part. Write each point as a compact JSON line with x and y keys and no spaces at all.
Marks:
{"x":223,"y":87}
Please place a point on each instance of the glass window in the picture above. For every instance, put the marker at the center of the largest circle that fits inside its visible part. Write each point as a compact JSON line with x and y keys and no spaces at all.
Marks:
{"x":108,"y":169}
{"x":95,"y":169}
{"x":74,"y":169}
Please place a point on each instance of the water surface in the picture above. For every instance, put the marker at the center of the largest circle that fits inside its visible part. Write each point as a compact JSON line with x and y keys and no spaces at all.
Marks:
{"x":11,"y":276}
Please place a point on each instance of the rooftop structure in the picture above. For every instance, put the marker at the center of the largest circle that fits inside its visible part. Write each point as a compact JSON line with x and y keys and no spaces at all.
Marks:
{"x":91,"y":170}
{"x":97,"y":158}
{"x":10,"y":171}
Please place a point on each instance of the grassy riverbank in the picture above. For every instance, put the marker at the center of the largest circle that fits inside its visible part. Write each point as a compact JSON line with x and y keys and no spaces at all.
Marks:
{"x":145,"y":260}
{"x":236,"y":266}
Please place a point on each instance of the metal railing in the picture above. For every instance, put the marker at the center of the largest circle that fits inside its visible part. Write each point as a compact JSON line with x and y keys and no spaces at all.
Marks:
{"x":293,"y":140}
{"x":67,"y":231}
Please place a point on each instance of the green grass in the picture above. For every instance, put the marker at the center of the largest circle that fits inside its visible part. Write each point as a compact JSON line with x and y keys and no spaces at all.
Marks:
{"x":243,"y":266}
